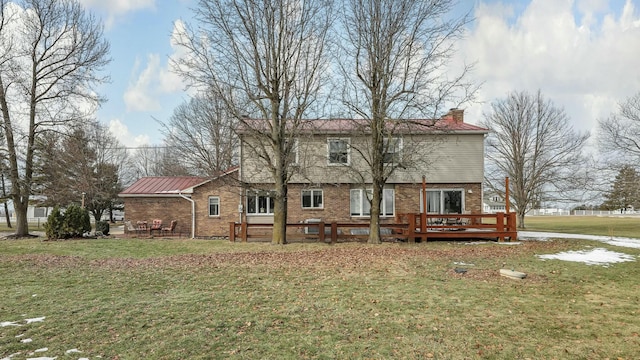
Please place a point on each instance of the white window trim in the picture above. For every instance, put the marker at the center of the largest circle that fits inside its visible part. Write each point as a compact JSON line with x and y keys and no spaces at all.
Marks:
{"x":209,"y":204}
{"x":256,"y":194}
{"x":441,"y":205}
{"x":363,"y":198}
{"x":311,"y":207}
{"x":348,"y":141}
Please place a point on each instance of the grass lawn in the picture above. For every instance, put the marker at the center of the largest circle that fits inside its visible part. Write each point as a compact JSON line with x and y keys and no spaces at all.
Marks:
{"x":590,"y":225}
{"x":196,"y":299}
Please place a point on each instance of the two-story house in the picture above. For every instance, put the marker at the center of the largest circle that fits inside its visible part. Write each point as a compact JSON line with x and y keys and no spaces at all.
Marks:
{"x":331,"y":179}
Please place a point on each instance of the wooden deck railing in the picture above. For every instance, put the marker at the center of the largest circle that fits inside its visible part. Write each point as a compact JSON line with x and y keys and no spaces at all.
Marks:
{"x":407,"y":227}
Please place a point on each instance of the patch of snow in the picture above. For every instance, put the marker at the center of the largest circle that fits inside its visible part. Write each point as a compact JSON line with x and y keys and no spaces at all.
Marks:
{"x":597,"y":256}
{"x":9,"y":323}
{"x":41,"y":350}
{"x":43,"y":358}
{"x":10,"y":356}
{"x":71,"y":351}
{"x":26,"y":341}
{"x":83,"y":359}
{"x":611,"y":240}
{"x":20,"y":335}
{"x":462,"y":264}
{"x":510,"y":243}
{"x":38,"y":319}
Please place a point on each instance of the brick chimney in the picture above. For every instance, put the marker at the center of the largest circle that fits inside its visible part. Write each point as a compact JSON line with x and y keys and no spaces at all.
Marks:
{"x":455,"y":114}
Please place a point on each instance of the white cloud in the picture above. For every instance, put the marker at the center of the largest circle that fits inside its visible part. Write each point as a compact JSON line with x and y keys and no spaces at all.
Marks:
{"x":124,"y":136}
{"x":139,"y":96}
{"x":116,"y":8}
{"x":580,"y":54}
{"x":157,"y":78}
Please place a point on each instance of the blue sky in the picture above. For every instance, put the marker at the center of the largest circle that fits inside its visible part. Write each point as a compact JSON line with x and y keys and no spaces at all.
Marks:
{"x":582,"y":54}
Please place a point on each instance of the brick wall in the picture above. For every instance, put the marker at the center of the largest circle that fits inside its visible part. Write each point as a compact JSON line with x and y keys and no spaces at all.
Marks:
{"x":163,"y":208}
{"x":216,"y":226}
{"x":336,"y":201}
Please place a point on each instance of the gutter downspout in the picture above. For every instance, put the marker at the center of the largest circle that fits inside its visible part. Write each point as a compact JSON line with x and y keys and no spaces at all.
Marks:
{"x":193,"y":214}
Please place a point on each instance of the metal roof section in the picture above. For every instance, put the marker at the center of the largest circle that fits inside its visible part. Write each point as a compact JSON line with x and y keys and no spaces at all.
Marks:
{"x":452,"y":122}
{"x":163,"y":186}
{"x":170,"y":185}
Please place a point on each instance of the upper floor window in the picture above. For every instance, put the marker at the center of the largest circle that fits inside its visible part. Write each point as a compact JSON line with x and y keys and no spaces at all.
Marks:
{"x":293,"y":158}
{"x":214,"y":206}
{"x":312,"y":199}
{"x":392,"y":150}
{"x":260,"y":202}
{"x":338,"y":152}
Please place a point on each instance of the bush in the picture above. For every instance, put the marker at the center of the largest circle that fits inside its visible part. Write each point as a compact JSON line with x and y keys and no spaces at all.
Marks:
{"x":53,"y":226}
{"x":102,"y":227}
{"x":74,"y":223}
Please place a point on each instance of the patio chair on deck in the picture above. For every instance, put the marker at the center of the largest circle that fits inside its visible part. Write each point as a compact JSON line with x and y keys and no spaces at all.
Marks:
{"x":171,"y":229}
{"x":156,"y":225}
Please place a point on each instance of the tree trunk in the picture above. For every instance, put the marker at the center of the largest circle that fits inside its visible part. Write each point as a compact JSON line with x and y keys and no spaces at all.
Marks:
{"x":6,"y":206}
{"x":22,"y":225}
{"x":7,"y":215}
{"x":520,"y":219}
{"x":374,"y":224}
{"x":280,"y":210}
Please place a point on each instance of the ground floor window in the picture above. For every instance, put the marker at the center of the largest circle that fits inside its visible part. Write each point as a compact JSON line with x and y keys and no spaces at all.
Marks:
{"x":443,"y":201}
{"x":214,"y":206}
{"x":312,"y":199}
{"x":360,"y":201}
{"x":260,"y":202}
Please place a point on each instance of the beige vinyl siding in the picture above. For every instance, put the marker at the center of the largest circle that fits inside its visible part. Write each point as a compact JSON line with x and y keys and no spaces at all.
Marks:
{"x":445,"y":158}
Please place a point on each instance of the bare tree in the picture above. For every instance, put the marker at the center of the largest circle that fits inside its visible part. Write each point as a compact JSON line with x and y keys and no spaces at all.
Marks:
{"x":146,"y":160}
{"x":533,"y":143}
{"x":619,"y":135}
{"x":263,"y":59}
{"x":394,"y":60}
{"x":57,"y":52}
{"x":201,"y":132}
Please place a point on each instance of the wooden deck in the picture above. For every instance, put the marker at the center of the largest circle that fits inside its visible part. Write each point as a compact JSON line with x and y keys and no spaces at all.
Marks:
{"x":407,"y":227}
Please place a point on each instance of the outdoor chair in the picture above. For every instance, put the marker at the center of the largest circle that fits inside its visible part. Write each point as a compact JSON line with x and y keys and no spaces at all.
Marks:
{"x":171,"y":229}
{"x":156,"y":225}
{"x":141,"y":227}
{"x":130,"y":228}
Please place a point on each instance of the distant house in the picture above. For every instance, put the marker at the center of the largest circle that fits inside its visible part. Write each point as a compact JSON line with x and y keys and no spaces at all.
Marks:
{"x":448,"y":152}
{"x":493,"y":203}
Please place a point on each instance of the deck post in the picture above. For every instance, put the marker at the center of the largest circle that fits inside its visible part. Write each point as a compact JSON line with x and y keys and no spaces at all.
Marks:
{"x":423,"y":214}
{"x":412,"y":228}
{"x":243,"y":231}
{"x":321,"y":231}
{"x":232,"y":231}
{"x":500,"y":225}
{"x":511,"y":222}
{"x":334,"y":232}
{"x":506,"y":195}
